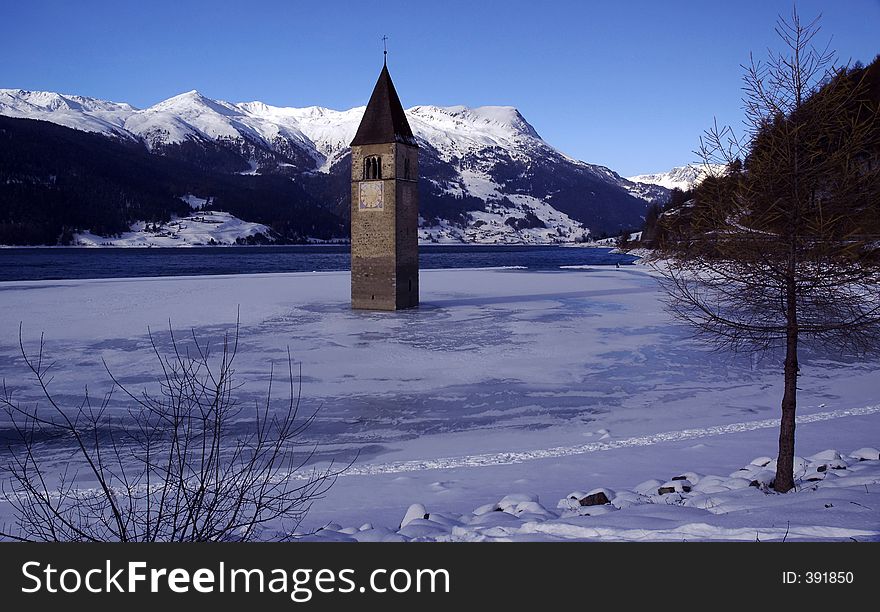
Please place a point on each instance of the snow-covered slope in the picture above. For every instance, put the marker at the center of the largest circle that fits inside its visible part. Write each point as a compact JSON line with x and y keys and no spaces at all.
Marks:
{"x":680,"y":177}
{"x":512,"y":185}
{"x":208,"y":227}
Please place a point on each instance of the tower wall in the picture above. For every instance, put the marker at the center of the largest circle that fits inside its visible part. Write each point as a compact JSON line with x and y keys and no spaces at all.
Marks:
{"x":407,"y":227}
{"x":384,"y":228}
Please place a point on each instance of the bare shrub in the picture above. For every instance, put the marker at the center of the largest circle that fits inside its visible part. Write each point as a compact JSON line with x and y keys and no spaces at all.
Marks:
{"x":185,"y":462}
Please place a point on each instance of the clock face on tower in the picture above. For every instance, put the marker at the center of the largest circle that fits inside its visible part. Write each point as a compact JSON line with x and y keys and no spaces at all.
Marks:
{"x":372,"y":196}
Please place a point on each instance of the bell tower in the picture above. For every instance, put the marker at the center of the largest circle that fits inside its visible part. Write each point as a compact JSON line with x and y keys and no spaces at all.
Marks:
{"x":384,"y":205}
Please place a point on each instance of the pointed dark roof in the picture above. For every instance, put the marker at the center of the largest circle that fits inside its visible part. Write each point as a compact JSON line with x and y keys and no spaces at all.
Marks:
{"x":384,"y":120}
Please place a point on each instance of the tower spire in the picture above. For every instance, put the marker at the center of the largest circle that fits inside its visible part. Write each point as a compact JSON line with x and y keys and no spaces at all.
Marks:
{"x":384,"y":119}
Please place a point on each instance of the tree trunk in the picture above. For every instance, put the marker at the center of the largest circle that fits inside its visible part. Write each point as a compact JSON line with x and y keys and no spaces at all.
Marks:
{"x":785,"y":461}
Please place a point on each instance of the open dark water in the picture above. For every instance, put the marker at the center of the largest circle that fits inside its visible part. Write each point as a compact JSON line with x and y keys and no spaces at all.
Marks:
{"x":62,"y":263}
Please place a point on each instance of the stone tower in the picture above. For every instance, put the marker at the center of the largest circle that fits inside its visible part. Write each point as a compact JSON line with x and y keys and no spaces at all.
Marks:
{"x":384,"y":205}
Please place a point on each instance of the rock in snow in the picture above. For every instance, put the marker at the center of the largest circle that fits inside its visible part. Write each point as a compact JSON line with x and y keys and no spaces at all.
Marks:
{"x":415,"y":511}
{"x":867,"y":453}
{"x":597,"y":498}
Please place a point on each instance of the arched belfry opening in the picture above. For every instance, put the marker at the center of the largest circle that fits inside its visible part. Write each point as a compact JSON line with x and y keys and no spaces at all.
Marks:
{"x":384,"y":205}
{"x":372,"y":168}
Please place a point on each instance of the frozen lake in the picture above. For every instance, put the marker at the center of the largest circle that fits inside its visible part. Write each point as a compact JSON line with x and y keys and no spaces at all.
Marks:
{"x":494,"y":362}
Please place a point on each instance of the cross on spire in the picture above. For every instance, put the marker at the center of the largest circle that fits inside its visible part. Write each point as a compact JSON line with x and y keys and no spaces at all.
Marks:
{"x":385,"y":48}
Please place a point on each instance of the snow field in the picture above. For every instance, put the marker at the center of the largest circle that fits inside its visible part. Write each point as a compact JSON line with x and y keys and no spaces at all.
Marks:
{"x":689,"y":506}
{"x":204,"y":227}
{"x":503,"y":382}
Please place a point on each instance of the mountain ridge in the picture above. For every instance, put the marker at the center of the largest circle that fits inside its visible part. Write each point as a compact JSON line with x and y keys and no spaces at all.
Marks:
{"x":679,"y":177}
{"x":488,"y":176}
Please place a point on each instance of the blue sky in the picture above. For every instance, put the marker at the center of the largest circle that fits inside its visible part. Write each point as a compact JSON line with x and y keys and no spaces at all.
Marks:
{"x":630,"y":85}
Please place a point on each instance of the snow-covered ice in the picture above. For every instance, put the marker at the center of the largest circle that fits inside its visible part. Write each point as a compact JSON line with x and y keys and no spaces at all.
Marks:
{"x":504,"y":393}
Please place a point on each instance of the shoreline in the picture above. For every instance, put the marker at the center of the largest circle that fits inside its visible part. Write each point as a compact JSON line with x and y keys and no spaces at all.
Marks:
{"x":96,"y":247}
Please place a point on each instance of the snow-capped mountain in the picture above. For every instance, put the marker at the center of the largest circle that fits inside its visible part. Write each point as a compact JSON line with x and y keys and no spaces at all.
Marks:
{"x":487,"y":176}
{"x":680,"y":177}
{"x":77,"y":112}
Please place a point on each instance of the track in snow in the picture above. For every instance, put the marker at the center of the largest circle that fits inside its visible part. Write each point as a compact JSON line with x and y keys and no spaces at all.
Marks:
{"x":509,"y":458}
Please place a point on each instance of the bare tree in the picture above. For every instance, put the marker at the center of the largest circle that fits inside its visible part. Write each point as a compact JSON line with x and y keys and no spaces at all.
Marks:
{"x":186,"y":463}
{"x":782,"y":250}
